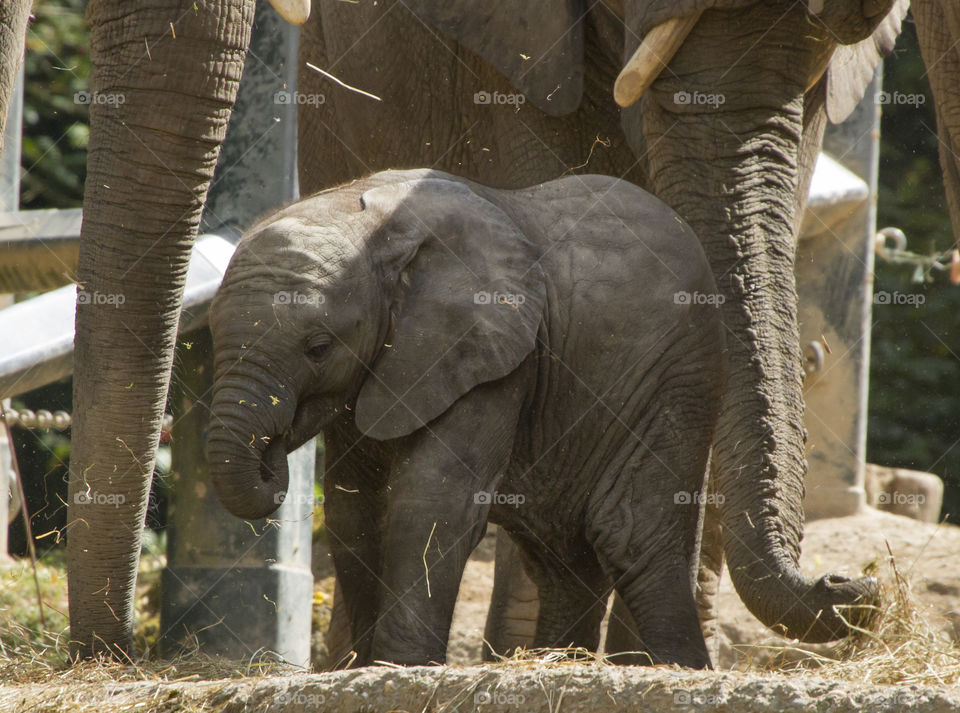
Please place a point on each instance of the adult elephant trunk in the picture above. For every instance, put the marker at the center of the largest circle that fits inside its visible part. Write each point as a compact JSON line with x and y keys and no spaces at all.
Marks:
{"x":13,"y":28}
{"x":724,"y":127}
{"x":165,"y":79}
{"x":938,"y":32}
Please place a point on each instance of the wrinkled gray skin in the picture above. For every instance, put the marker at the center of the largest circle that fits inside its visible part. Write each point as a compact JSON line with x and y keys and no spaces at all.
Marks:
{"x":938,"y":31}
{"x":750,"y":159}
{"x":177,"y":64}
{"x":738,"y":172}
{"x":454,"y":341}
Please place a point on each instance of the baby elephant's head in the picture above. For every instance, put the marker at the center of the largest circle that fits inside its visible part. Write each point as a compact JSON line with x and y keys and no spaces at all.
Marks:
{"x":371,"y":305}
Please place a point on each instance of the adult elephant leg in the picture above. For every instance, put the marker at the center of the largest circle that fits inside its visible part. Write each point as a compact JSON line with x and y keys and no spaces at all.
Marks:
{"x":623,"y":642}
{"x":938,"y":31}
{"x":731,"y":169}
{"x":339,"y":636}
{"x":13,"y":29}
{"x":167,"y":75}
{"x":709,"y":574}
{"x":514,"y":603}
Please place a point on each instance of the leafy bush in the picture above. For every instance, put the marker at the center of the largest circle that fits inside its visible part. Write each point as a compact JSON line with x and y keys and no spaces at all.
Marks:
{"x":55,"y":127}
{"x":913,"y":410}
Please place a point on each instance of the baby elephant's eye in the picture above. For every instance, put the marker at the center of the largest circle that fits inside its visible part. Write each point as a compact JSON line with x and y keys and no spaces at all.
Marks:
{"x":317,"y":346}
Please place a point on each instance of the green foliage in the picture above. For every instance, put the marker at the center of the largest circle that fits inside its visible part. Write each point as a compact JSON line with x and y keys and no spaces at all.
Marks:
{"x":913,"y":411}
{"x":23,"y":634}
{"x":55,"y":127}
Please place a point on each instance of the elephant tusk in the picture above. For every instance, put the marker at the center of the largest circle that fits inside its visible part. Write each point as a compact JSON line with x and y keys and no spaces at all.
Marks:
{"x":295,"y":12}
{"x":653,"y":54}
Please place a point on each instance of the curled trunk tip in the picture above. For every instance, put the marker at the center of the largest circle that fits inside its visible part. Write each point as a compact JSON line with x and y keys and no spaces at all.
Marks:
{"x":837,"y":604}
{"x":251,"y":483}
{"x":810,"y":610}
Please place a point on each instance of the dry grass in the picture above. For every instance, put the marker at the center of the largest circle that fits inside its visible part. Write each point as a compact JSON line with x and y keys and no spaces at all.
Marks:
{"x":30,"y":653}
{"x":905,"y":647}
{"x":22,"y":636}
{"x":550,"y":658}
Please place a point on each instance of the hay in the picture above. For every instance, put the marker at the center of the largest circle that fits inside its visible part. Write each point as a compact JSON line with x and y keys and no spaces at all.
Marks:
{"x":32,"y":653}
{"x":903,"y":647}
{"x":550,"y":658}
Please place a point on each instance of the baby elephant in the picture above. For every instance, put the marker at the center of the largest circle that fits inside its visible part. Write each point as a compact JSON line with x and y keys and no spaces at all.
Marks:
{"x":548,"y":359}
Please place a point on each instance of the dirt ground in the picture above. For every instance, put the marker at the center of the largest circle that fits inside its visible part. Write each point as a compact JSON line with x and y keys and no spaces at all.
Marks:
{"x":928,"y":556}
{"x":925,"y":555}
{"x":533,"y":688}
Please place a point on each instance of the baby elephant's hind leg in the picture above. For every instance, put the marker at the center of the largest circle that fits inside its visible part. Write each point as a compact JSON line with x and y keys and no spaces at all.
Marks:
{"x":573,"y":592}
{"x":652,"y":574}
{"x":644,"y":530}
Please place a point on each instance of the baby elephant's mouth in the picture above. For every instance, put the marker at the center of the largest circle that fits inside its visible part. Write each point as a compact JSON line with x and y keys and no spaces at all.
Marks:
{"x":311,"y":417}
{"x":273,"y":464}
{"x":294,"y":438}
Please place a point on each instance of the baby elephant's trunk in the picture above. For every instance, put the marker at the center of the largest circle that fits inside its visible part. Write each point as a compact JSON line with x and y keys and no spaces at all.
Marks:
{"x":248,"y":460}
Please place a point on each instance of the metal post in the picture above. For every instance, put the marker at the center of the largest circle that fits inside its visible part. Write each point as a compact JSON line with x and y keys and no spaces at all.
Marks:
{"x":9,"y":202}
{"x":10,"y":160}
{"x":240,"y":587}
{"x":835,"y":285}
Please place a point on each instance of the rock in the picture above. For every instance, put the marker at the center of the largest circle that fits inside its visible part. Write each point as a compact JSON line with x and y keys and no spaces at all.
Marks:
{"x":911,"y":493}
{"x":571,"y":688}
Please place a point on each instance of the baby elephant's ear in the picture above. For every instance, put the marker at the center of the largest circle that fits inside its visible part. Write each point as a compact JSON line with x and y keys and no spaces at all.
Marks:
{"x":469,"y":298}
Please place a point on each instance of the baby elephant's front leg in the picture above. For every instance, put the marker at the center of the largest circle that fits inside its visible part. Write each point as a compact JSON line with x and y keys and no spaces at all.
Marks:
{"x":436,"y":514}
{"x":431,"y":528}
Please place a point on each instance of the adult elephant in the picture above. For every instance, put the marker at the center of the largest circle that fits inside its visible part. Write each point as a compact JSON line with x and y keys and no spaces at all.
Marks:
{"x":938,"y":32}
{"x":735,"y":172}
{"x":176,"y":64}
{"x":727,"y":135}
